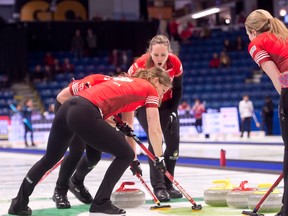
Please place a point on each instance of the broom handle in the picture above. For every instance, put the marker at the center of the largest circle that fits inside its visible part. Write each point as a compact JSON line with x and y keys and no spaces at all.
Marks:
{"x":156,"y":200}
{"x":268,"y":192}
{"x":51,"y":170}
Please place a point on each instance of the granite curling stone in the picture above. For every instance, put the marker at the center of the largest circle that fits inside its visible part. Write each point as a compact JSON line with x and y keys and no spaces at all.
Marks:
{"x":216,"y":196}
{"x":272,"y":203}
{"x":238,"y":197}
{"x":128,"y":197}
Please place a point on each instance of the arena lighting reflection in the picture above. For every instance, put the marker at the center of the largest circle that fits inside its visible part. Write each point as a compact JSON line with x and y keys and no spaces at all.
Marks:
{"x":205,"y":13}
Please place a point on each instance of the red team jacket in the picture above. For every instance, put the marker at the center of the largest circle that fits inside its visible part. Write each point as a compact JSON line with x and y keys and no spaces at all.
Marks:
{"x":267,"y":47}
{"x":79,"y":85}
{"x":174,"y":68}
{"x":121,"y":94}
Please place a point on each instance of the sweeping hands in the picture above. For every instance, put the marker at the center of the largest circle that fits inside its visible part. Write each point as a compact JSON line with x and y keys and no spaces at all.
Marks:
{"x":135,"y":167}
{"x":125,"y":129}
{"x":159,"y":164}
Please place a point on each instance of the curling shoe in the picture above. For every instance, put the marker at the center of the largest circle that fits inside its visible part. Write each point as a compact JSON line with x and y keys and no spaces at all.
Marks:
{"x":162,"y":195}
{"x":174,"y":194}
{"x":61,"y":200}
{"x":80,"y":191}
{"x":13,"y":210}
{"x":106,"y":209}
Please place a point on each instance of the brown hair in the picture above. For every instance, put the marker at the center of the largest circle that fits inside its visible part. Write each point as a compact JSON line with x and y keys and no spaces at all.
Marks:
{"x":262,"y":21}
{"x":151,"y":73}
{"x":158,"y":39}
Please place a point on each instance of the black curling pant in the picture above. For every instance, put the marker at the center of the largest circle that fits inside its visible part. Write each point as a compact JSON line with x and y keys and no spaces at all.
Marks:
{"x":79,"y":116}
{"x":283,"y":117}
{"x":246,"y":126}
{"x":26,"y":130}
{"x":171,"y":153}
{"x":74,"y":160}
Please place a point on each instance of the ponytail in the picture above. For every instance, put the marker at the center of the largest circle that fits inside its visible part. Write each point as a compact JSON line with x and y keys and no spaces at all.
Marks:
{"x":262,"y":21}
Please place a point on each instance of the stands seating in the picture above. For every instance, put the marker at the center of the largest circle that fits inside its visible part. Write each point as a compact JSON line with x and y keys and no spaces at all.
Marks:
{"x":82,"y":67}
{"x":221,"y":87}
{"x":218,"y":87}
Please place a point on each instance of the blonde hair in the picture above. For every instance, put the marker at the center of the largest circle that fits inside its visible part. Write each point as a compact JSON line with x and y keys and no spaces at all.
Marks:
{"x":158,"y":39}
{"x":152,"y":73}
{"x":262,"y":21}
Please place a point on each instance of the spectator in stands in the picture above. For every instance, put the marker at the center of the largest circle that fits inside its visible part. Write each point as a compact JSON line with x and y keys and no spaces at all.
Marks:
{"x":114,"y":58}
{"x":267,"y":114}
{"x":239,"y":44}
{"x":38,"y":74}
{"x":91,"y":40}
{"x":268,"y":47}
{"x":67,"y":66}
{"x":186,"y":34}
{"x":56,"y":67}
{"x":241,"y":17}
{"x":48,"y":73}
{"x":227,"y":46}
{"x":124,"y":60}
{"x":215,"y":61}
{"x":48,"y":59}
{"x":49,"y":113}
{"x":27,"y":110}
{"x":77,"y":44}
{"x":246,"y":110}
{"x":198,"y":109}
{"x":48,"y":66}
{"x":205,"y":31}
{"x":184,"y":108}
{"x":173,"y":30}
{"x":225,"y":60}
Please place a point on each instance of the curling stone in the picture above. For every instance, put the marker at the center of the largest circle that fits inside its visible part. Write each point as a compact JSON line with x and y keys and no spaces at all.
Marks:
{"x":216,"y":196}
{"x":238,"y":197}
{"x":128,"y":197}
{"x":272,"y":203}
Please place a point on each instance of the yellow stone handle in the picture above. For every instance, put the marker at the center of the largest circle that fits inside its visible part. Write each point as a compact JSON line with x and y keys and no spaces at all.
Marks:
{"x":223,"y":184}
{"x":264,"y":187}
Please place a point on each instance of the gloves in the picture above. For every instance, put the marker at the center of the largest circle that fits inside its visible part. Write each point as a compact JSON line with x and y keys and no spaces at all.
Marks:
{"x":135,"y":167}
{"x":159,"y":164}
{"x":172,"y":123}
{"x":125,"y":129}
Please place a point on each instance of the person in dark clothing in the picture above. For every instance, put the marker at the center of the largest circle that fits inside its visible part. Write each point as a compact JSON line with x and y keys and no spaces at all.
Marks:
{"x":27,"y":110}
{"x":91,"y":40}
{"x":77,"y":44}
{"x":74,"y":167}
{"x":84,"y":115}
{"x":267,"y":116}
{"x":160,"y":54}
